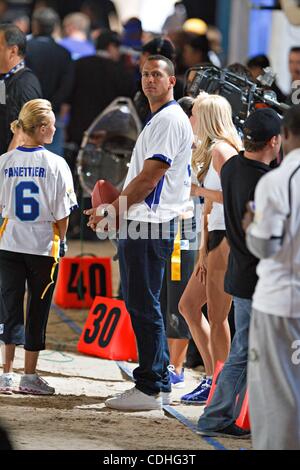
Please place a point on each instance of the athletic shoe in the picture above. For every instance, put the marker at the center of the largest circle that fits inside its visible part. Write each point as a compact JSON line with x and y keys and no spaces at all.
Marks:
{"x":135,"y":400}
{"x":177,"y":380}
{"x":230,"y":431}
{"x":198,"y":396}
{"x":6,"y":384}
{"x":33,"y":384}
{"x":166,"y":398}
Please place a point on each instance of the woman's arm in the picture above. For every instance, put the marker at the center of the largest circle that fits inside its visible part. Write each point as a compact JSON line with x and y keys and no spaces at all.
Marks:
{"x":203,"y":249}
{"x":62,"y":226}
{"x":210,"y":194}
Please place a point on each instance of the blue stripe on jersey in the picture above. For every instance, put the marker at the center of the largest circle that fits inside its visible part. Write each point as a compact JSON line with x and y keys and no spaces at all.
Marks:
{"x":30,"y":149}
{"x":153,"y":199}
{"x":162,"y":158}
{"x":169,"y":103}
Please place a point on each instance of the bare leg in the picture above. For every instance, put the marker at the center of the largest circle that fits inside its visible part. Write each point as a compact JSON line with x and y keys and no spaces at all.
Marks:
{"x":31,"y":358}
{"x":191,"y":302}
{"x":178,"y":349}
{"x":218,"y":302}
{"x":3,"y":353}
{"x":8,"y":358}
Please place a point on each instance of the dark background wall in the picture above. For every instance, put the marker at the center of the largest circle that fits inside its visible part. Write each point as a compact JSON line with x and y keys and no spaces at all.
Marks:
{"x":204,"y":9}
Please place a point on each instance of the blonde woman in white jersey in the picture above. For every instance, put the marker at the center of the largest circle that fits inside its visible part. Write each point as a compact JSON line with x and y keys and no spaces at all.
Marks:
{"x":219,"y":141}
{"x":36,"y":198}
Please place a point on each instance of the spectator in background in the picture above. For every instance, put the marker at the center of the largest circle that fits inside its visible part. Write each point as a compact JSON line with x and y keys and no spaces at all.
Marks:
{"x":108,"y":46}
{"x":132,"y":33}
{"x":256,"y":65}
{"x":99,"y":79}
{"x":175,"y":21}
{"x":241,"y":70}
{"x":76,"y":29}
{"x":18,"y":83}
{"x":53,"y":66}
{"x":215,"y":38}
{"x":103,"y":15}
{"x":3,"y":9}
{"x":294,"y":69}
{"x":23,"y":22}
{"x":196,"y":51}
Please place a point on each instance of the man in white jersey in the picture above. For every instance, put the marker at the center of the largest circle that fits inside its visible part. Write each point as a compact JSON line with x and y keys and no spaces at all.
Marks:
{"x":157,"y":189}
{"x":274,"y":343}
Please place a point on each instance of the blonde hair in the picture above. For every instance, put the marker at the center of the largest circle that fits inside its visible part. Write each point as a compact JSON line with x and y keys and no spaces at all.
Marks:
{"x":213,"y":125}
{"x":34,"y":113}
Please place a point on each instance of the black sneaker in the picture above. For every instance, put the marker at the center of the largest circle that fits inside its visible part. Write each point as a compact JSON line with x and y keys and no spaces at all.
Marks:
{"x":230,"y":431}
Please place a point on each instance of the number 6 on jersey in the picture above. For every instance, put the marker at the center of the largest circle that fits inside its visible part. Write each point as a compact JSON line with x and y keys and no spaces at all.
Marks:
{"x":27,"y":208}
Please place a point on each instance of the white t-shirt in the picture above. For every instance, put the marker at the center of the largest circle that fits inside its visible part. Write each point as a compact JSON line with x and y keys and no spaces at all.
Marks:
{"x":216,"y":218}
{"x":36,"y":190}
{"x":277,"y":195}
{"x":168,"y":137}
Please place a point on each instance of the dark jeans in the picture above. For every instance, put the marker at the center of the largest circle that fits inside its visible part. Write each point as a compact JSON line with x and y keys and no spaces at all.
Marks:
{"x":142,"y":264}
{"x":221,"y":412}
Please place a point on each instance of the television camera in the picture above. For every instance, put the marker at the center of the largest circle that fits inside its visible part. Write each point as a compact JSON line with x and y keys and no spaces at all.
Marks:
{"x":244,"y":95}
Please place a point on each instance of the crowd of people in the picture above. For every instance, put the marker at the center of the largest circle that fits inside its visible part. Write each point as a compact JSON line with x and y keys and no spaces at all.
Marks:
{"x":191,"y":177}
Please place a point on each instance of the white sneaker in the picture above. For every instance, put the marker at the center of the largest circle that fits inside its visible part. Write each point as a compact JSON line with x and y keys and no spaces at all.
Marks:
{"x":6,"y":384}
{"x":167,"y":398}
{"x":134,"y":400}
{"x":35,"y":385}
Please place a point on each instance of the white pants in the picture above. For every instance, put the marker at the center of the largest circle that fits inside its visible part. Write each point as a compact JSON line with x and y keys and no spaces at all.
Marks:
{"x":274,"y":382}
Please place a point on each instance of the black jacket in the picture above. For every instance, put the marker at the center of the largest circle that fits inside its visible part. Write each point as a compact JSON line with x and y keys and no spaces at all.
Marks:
{"x":53,"y":66}
{"x":20,"y":88}
{"x":239,"y":177}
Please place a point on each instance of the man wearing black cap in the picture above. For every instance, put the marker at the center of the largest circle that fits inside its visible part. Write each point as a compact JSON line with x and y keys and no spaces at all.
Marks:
{"x":239,"y":177}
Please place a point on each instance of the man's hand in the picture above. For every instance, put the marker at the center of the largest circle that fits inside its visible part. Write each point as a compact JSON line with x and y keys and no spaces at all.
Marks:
{"x":94,"y":219}
{"x":248,"y":216}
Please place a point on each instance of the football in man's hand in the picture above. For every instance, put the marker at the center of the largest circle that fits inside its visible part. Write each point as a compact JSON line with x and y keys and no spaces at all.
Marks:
{"x":104,"y":193}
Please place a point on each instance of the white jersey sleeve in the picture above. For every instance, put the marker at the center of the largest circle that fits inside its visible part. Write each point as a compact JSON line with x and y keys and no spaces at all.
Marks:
{"x":65,"y":200}
{"x":271,"y":207}
{"x":163,"y":140}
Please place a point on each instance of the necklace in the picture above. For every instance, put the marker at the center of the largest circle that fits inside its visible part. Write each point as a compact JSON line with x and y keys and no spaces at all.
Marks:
{"x":36,"y":145}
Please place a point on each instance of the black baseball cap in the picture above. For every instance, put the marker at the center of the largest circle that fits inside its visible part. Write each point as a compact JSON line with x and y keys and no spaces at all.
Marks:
{"x":262,"y":125}
{"x":160,"y":46}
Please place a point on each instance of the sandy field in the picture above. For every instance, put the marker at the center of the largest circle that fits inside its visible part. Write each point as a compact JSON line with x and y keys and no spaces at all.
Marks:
{"x":76,"y":417}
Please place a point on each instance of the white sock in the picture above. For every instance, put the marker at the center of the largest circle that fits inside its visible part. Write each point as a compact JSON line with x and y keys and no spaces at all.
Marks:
{"x":30,"y":376}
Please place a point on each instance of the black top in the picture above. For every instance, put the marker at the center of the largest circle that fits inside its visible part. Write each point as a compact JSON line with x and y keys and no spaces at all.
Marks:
{"x":98,"y":81}
{"x":53,"y":66}
{"x":239,"y":177}
{"x":20,"y":88}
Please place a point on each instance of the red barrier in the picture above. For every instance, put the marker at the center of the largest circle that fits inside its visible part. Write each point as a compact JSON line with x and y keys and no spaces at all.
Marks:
{"x":81,"y":279}
{"x":108,"y":331}
{"x":243,"y":420}
{"x":218,"y":368}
